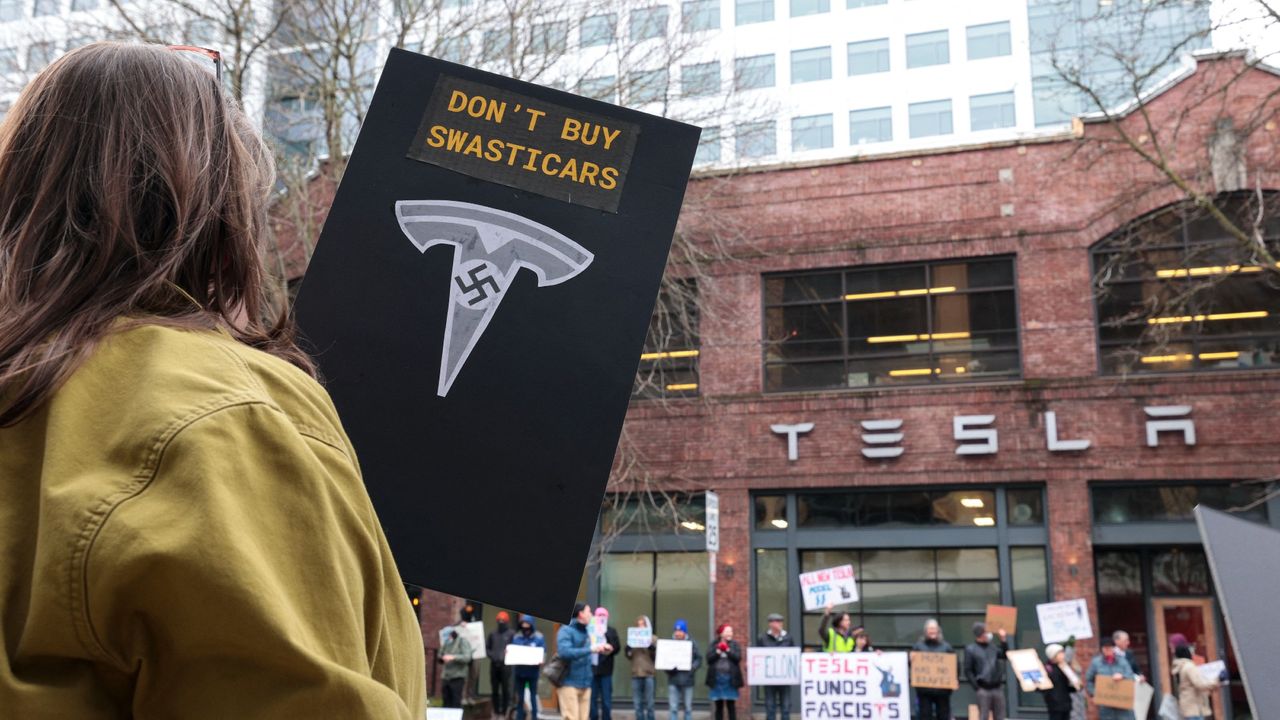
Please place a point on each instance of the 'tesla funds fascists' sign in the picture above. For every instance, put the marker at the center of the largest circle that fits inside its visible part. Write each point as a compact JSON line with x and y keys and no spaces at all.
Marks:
{"x":477,"y":303}
{"x":833,"y":585}
{"x":854,"y":686}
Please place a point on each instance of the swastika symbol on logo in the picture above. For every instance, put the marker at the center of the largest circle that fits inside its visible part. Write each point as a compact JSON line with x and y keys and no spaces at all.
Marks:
{"x":477,"y":284}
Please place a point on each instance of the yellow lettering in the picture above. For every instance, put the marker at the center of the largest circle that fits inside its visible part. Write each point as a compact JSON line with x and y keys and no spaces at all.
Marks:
{"x":589,"y":172}
{"x":515,"y":150}
{"x":436,"y":139}
{"x":457,"y":139}
{"x":546,"y":170}
{"x":572,"y":129}
{"x":533,"y":118}
{"x":609,"y":178}
{"x":473,"y":147}
{"x":494,"y":153}
{"x":533,"y":159}
{"x":570,"y":170}
{"x":496,"y":111}
{"x":610,"y":136}
{"x":457,"y":101}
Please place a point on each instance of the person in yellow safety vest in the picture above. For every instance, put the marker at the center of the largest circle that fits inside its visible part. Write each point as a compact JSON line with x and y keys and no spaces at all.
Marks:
{"x":837,"y":638}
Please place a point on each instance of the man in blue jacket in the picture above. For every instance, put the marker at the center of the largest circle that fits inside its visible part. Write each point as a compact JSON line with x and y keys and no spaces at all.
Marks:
{"x":526,"y":676}
{"x":573,"y":645}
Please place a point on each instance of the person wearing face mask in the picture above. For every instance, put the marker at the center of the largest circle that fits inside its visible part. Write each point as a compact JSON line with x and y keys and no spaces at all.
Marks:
{"x":984,"y":666}
{"x":642,"y":671}
{"x":935,"y":704}
{"x":724,"y":672}
{"x":455,"y":654}
{"x":1109,"y":662}
{"x":495,"y":646}
{"x":526,"y":676}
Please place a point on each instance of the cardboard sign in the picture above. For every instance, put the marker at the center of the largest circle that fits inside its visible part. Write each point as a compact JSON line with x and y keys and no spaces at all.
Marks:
{"x":835,"y":585}
{"x":1110,"y":692}
{"x":854,"y":685}
{"x":773,"y":666}
{"x":1029,"y":670}
{"x":1060,"y":621}
{"x":1002,"y":617}
{"x":524,"y":655}
{"x":934,"y":670}
{"x":478,"y":313}
{"x":673,"y":655}
{"x":638,"y":637}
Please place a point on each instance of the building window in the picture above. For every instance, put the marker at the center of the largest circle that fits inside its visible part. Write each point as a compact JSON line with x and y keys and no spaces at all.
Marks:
{"x":800,"y":8}
{"x":708,"y":147}
{"x":869,"y":56}
{"x":810,"y":65}
{"x":700,"y":80}
{"x":8,"y":60}
{"x":747,"y":12}
{"x":1055,"y":101}
{"x":1116,"y":504}
{"x":648,"y":23}
{"x":771,"y":512}
{"x":642,"y":513}
{"x":598,"y":30}
{"x":753,"y":72}
{"x":646,"y":86}
{"x":864,"y":3}
{"x":872,"y":125}
{"x":45,"y":7}
{"x":991,"y":40}
{"x":1174,"y":292}
{"x":931,"y":48}
{"x":603,"y":87}
{"x":455,"y":49}
{"x":40,"y":54}
{"x":755,"y":139}
{"x":945,"y":321}
{"x":811,"y":132}
{"x":697,"y":15}
{"x":929,"y":118}
{"x":495,"y":44}
{"x":550,"y":38}
{"x":669,"y":361}
{"x":897,"y":509}
{"x":988,"y":112}
{"x":84,"y":4}
{"x":10,"y":10}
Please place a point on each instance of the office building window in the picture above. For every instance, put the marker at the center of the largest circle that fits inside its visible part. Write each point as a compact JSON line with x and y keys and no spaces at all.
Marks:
{"x":85,"y":4}
{"x":598,"y":30}
{"x":864,"y":3}
{"x":11,"y":10}
{"x":1055,"y":101}
{"x":648,"y":23}
{"x":45,"y":7}
{"x":8,"y":60}
{"x":669,"y":361}
{"x":495,"y":44}
{"x":1175,"y":292}
{"x":800,"y":8}
{"x":931,"y":48}
{"x":696,"y":15}
{"x":869,"y":56}
{"x":929,"y":118}
{"x":947,"y":321}
{"x":700,"y":80}
{"x":756,"y":139}
{"x":810,"y":65}
{"x":987,"y":112}
{"x":708,"y":147}
{"x":603,"y":87}
{"x":811,"y":132}
{"x":991,"y":40}
{"x":746,"y":12}
{"x":550,"y":38}
{"x":757,"y":71}
{"x":647,"y":86}
{"x":872,"y":125}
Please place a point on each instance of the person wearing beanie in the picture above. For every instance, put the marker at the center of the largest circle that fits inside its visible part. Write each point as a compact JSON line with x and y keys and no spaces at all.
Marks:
{"x":1109,"y":662}
{"x":526,"y":676}
{"x":1066,"y":683}
{"x":642,"y":680}
{"x":984,"y":663}
{"x":777,"y":698}
{"x":724,"y":672}
{"x":602,"y":633}
{"x":935,"y":703}
{"x":680,"y":682}
{"x":575,"y":647}
{"x":1191,"y":687}
{"x":495,"y":646}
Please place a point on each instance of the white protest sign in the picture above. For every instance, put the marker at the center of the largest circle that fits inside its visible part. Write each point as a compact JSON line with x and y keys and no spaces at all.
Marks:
{"x":443,"y":713}
{"x":639,"y":637}
{"x":673,"y":655}
{"x":843,"y":686}
{"x":474,"y":633}
{"x":524,"y":655}
{"x":1143,"y":694}
{"x":1060,"y":621}
{"x":1212,"y":670}
{"x":833,"y":585}
{"x":773,"y":666}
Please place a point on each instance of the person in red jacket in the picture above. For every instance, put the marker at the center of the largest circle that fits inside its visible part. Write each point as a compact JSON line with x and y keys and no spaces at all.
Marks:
{"x":724,"y":672}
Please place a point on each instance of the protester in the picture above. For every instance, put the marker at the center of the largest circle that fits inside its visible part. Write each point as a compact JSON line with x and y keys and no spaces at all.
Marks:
{"x":862,"y":640}
{"x":1066,"y":683}
{"x":1122,"y":642}
{"x":526,"y":676}
{"x":455,"y":654}
{"x":680,"y":682}
{"x":642,"y":680}
{"x":1079,"y":706}
{"x":161,"y":437}
{"x":574,"y":646}
{"x":1109,"y":662}
{"x":495,"y":646}
{"x":837,"y":636}
{"x":602,"y":667}
{"x":724,"y":672}
{"x":984,"y":667}
{"x":1193,"y":690}
{"x":935,"y":704}
{"x":777,"y":698}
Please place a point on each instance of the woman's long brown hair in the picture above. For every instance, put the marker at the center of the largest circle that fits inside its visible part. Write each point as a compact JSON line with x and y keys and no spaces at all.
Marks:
{"x":130,"y":187}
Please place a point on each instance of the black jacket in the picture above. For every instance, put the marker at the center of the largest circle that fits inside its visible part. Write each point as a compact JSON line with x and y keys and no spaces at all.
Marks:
{"x":685,"y":678}
{"x":942,"y":646}
{"x":984,"y":664}
{"x":495,"y":646}
{"x":1058,"y":700}
{"x":605,"y":666}
{"x":734,"y":655}
{"x":767,"y":640}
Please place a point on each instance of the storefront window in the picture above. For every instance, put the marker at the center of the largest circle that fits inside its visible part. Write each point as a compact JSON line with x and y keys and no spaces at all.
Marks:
{"x":1175,"y":503}
{"x":650,"y":513}
{"x":962,"y":508}
{"x":1024,"y":506}
{"x":771,"y":586}
{"x":1030,"y":588}
{"x":771,"y":512}
{"x":1180,"y":572}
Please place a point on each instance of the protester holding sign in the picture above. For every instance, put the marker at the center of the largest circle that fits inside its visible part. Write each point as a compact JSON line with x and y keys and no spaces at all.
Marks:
{"x":777,"y":698}
{"x":680,"y":682}
{"x":526,"y":676}
{"x":1193,"y":689}
{"x":984,"y":667}
{"x":574,"y":646}
{"x":837,"y":636}
{"x":1066,"y":683}
{"x":1109,"y":664}
{"x":455,"y":655}
{"x":935,"y":703}
{"x":499,"y":676}
{"x":161,"y":438}
{"x":724,"y":672}
{"x":602,"y":666}
{"x":642,"y":672}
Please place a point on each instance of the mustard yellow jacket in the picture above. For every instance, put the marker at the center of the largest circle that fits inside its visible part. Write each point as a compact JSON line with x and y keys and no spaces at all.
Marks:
{"x":184,"y":533}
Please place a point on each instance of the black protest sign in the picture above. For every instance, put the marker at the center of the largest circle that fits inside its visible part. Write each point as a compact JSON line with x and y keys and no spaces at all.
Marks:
{"x":478,"y":319}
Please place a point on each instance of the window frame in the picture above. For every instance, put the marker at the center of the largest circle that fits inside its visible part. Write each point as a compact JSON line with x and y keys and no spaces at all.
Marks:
{"x":945,"y":32}
{"x":818,"y":60}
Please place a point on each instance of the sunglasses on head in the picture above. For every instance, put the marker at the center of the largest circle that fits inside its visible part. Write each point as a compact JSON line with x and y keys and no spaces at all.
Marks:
{"x":210,"y":60}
